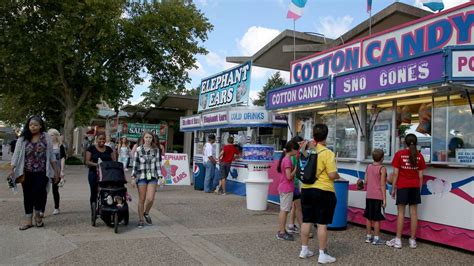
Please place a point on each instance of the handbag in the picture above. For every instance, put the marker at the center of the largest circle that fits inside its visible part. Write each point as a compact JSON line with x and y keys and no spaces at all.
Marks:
{"x":20,"y":179}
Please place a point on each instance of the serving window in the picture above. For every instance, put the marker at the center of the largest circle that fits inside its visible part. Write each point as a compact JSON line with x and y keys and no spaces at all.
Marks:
{"x":379,"y":129}
{"x":414,"y":117}
{"x":342,"y":135}
{"x":453,"y":130}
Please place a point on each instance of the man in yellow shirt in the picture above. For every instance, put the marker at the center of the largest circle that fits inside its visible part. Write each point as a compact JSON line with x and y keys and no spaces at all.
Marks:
{"x":318,"y":200}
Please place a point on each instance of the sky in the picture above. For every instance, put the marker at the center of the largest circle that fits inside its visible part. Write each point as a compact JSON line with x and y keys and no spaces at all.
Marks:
{"x":242,"y":27}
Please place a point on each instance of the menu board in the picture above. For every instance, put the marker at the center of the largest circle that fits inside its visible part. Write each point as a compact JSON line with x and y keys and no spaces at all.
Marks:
{"x":381,"y":137}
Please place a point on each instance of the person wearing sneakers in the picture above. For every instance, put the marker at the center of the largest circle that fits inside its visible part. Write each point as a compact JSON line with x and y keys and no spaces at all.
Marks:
{"x":60,"y":158}
{"x":145,"y":174}
{"x":295,"y":213}
{"x":318,"y":200}
{"x":408,"y":165}
{"x":375,"y":181}
{"x":228,"y":154}
{"x":286,"y":187}
{"x":210,"y":161}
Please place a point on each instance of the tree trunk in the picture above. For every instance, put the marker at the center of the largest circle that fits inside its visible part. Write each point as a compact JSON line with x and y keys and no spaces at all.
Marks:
{"x":69,"y":124}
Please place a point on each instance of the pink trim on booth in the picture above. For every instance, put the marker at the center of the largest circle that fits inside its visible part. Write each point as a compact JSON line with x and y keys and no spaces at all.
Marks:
{"x":443,"y":234}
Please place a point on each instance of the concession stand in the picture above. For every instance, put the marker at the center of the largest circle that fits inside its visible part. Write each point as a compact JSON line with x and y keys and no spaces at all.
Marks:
{"x":256,"y":131}
{"x":414,"y":78}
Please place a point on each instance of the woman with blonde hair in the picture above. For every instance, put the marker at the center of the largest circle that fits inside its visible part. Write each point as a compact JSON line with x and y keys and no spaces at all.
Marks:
{"x":124,"y":152}
{"x":145,"y":174}
{"x":59,"y":155}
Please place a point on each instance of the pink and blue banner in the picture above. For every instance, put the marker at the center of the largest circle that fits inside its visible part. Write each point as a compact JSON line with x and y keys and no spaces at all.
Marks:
{"x":404,"y":74}
{"x":369,"y":5}
{"x":295,"y":9}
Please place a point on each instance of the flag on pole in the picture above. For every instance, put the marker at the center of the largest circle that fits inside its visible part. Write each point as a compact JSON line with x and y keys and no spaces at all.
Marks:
{"x":369,"y":5}
{"x":295,"y":9}
{"x":434,"y":5}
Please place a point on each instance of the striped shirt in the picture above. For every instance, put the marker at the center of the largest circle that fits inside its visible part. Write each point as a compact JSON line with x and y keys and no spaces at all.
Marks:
{"x":146,"y":163}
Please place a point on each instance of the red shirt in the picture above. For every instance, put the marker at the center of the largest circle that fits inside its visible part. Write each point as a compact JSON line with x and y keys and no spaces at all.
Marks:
{"x":407,"y":174}
{"x":229,"y":151}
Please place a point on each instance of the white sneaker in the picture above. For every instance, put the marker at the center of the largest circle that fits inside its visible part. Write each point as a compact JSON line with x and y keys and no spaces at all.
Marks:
{"x":396,"y":243}
{"x":218,"y":188}
{"x":56,"y":212}
{"x":412,"y":243}
{"x":326,"y":258}
{"x":306,"y":254}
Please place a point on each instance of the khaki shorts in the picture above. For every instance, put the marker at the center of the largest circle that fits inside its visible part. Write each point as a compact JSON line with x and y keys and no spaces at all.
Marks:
{"x":286,"y":201}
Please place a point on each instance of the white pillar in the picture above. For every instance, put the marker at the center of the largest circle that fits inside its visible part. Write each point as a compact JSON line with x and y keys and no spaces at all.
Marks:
{"x":249,"y":135}
{"x":218,"y":143}
{"x":291,"y":126}
{"x":361,"y":132}
{"x":188,"y":138}
{"x":196,"y":142}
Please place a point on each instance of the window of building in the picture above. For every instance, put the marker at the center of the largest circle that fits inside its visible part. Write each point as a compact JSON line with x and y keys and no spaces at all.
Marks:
{"x":346,"y":133}
{"x":414,"y":117}
{"x":379,"y":129}
{"x":453,"y":134}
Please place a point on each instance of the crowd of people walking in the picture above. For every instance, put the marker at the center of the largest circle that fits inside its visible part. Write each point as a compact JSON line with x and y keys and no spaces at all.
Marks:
{"x":39,"y":157}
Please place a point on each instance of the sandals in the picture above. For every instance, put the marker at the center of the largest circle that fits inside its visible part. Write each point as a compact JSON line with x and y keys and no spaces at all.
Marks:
{"x":39,"y":220}
{"x":25,"y":227}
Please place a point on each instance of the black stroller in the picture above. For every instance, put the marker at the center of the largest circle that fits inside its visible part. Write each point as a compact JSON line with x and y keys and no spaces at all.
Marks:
{"x":112,"y":195}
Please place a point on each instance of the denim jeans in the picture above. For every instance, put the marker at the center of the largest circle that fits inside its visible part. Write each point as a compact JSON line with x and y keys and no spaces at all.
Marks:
{"x":209,"y":177}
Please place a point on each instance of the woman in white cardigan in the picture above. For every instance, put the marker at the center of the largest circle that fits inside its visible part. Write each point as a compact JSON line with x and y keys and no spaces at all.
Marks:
{"x":33,"y":160}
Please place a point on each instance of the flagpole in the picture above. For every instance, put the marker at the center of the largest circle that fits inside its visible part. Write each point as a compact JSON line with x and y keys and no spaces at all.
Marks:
{"x":370,"y":21}
{"x":294,"y":39}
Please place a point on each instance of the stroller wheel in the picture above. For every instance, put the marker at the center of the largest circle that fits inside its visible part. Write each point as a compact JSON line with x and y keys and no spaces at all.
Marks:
{"x":125,"y":218}
{"x":116,"y":223}
{"x":93,"y":213}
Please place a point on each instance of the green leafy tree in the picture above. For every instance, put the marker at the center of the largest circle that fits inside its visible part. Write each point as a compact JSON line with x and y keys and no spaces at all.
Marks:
{"x":68,"y":56}
{"x":157,"y":91}
{"x":275,"y":81}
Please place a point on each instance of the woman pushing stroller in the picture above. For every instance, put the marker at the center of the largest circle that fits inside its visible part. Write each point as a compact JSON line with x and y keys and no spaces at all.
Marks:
{"x":145,"y":174}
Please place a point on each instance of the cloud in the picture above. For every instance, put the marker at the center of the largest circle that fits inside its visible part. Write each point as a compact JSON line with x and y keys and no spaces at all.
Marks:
{"x":216,"y":60}
{"x":332,"y":27}
{"x":447,"y":4}
{"x":202,"y":2}
{"x":136,"y":100}
{"x":198,"y":71}
{"x":254,"y":39}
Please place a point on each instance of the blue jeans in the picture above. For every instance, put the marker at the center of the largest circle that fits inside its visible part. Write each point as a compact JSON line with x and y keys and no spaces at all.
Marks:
{"x":209,"y":177}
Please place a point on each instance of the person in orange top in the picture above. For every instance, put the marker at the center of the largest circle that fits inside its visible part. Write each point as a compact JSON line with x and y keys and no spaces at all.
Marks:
{"x":228,"y":154}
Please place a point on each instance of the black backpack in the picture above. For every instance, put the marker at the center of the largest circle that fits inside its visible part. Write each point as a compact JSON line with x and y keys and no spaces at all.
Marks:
{"x":307,"y":167}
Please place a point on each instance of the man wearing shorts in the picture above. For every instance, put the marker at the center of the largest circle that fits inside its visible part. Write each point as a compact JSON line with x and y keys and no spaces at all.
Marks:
{"x":318,"y":200}
{"x":227,"y":156}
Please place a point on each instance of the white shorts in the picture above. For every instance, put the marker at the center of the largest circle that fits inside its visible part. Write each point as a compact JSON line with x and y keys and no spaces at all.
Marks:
{"x":286,"y":201}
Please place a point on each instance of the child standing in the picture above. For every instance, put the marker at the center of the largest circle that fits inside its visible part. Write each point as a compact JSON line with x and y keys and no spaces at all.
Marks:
{"x":286,"y":187}
{"x":408,"y":165}
{"x":375,"y":180}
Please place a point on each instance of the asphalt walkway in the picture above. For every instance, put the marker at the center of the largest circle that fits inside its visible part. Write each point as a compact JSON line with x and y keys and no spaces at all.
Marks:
{"x":190,"y":227}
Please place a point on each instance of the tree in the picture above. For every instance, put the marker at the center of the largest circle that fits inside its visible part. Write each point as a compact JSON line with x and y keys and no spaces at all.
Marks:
{"x":157,"y":91}
{"x":275,"y":81}
{"x":70,"y":55}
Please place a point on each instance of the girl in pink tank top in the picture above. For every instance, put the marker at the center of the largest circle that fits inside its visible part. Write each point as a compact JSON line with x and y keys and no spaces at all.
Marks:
{"x":375,"y":181}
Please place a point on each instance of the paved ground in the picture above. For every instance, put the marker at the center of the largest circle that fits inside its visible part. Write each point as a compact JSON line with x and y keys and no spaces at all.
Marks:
{"x":190,"y":228}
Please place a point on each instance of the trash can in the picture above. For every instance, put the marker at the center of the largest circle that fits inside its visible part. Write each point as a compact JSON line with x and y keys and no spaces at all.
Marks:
{"x":339,"y":220}
{"x":257,"y":193}
{"x":199,"y":172}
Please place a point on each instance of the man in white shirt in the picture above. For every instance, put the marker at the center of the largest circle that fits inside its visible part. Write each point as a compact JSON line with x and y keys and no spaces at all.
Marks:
{"x":210,"y":163}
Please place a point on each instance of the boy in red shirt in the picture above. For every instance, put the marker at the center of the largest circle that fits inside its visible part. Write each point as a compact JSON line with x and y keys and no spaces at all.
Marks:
{"x":408,"y":165}
{"x":228,"y":154}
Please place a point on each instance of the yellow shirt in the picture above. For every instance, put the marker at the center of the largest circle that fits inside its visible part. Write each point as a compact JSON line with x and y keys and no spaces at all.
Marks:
{"x":326,"y":164}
